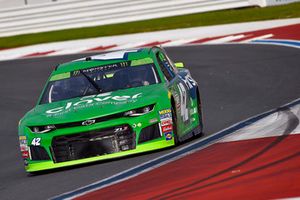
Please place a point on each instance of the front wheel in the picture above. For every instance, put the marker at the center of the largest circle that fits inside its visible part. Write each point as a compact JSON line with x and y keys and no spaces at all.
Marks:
{"x":199,"y":109}
{"x":174,"y":120}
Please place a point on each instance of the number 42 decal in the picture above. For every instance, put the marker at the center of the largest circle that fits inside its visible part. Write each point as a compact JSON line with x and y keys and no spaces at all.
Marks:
{"x":36,"y":141}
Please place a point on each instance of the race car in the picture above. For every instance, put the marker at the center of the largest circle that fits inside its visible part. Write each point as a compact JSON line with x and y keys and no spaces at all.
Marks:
{"x":110,"y":105}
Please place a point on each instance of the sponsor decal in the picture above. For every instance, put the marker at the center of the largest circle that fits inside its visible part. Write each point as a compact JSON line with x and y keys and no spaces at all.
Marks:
{"x":92,"y":100}
{"x":168,"y":136}
{"x":88,"y":122}
{"x":23,"y":147}
{"x":102,"y":68}
{"x":167,"y":128}
{"x":23,"y":141}
{"x":25,"y":154}
{"x":166,"y":116}
{"x":22,"y":137}
{"x":161,"y":112}
{"x":166,"y":122}
{"x":153,"y":120}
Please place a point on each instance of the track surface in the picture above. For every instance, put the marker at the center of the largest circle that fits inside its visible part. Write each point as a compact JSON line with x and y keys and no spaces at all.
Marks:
{"x":236,"y":81}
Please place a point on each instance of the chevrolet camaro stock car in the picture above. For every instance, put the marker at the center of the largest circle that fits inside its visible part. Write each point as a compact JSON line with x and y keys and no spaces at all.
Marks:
{"x":110,"y":105}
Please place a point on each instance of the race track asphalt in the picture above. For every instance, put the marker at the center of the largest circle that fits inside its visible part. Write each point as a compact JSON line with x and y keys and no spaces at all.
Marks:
{"x":236,"y":82}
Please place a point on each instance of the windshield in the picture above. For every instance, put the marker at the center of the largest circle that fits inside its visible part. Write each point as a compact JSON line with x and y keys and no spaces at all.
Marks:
{"x":97,"y":80}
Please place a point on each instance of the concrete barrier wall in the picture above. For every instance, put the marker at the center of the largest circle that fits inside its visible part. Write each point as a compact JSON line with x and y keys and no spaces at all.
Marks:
{"x":6,"y":4}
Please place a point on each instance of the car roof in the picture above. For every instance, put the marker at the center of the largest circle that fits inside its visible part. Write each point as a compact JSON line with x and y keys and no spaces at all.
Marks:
{"x":103,"y":59}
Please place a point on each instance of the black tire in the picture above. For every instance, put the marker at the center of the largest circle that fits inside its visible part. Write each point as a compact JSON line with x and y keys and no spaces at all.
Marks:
{"x":174,"y":119}
{"x":199,"y":107}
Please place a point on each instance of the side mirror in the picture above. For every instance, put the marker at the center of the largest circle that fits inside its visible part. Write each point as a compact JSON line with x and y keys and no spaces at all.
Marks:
{"x":179,"y":65}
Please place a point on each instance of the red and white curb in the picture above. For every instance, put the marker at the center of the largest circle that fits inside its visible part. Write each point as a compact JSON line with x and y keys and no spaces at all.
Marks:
{"x":255,"y":159}
{"x":263,"y":31}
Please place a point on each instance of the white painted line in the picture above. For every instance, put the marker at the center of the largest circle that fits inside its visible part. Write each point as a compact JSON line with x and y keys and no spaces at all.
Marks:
{"x":69,"y":51}
{"x":176,"y":36}
{"x":291,"y":198}
{"x":129,"y":45}
{"x":258,"y":38}
{"x":224,"y":39}
{"x":273,"y":125}
{"x":167,"y":158}
{"x":180,"y":42}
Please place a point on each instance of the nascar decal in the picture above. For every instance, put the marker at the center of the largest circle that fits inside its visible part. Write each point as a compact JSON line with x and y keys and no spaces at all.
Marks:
{"x":91,"y":100}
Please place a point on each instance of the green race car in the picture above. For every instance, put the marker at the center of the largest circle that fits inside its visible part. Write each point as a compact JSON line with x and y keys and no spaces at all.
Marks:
{"x":110,"y":105}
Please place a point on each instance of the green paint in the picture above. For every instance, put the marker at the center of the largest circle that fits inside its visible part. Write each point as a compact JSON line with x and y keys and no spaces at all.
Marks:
{"x":90,"y":107}
{"x":143,"y":61}
{"x":60,"y":76}
{"x":179,"y":65}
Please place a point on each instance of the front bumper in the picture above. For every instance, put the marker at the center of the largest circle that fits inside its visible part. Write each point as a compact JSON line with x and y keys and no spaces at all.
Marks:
{"x":78,"y":145}
{"x":47,"y":165}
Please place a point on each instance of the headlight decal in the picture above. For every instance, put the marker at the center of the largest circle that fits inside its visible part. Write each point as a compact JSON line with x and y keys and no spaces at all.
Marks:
{"x":42,"y":129}
{"x":139,"y":111}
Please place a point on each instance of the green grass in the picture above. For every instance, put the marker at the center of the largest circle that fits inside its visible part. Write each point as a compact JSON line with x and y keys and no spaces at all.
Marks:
{"x":200,"y":19}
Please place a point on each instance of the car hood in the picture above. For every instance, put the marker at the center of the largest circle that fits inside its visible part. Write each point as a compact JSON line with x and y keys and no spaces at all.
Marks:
{"x":88,"y":107}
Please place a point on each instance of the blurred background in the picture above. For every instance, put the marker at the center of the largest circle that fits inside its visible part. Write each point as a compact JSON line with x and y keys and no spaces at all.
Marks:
{"x":27,"y":22}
